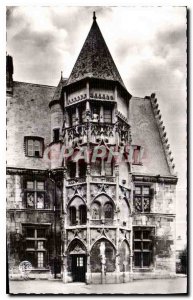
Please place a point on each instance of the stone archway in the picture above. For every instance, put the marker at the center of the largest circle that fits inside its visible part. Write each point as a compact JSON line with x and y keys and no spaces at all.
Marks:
{"x":109,"y":255}
{"x":77,"y":261}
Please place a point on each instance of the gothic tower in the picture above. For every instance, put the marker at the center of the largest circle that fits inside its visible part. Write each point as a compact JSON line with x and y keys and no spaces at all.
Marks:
{"x":96,"y":228}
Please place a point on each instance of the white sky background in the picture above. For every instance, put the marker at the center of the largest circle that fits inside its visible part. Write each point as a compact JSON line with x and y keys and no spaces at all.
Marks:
{"x":148,"y":46}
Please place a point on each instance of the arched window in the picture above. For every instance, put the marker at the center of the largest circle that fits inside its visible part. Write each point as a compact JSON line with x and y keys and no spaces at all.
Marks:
{"x":82,"y":214}
{"x":96,"y":211}
{"x":82,"y":168}
{"x":72,"y":215}
{"x":108,"y":211}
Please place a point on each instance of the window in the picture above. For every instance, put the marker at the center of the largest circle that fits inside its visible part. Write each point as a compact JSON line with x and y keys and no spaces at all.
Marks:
{"x":82,"y":166}
{"x":36,"y":251}
{"x":96,"y":113}
{"x":33,"y":146}
{"x":142,"y":248}
{"x":80,"y":261}
{"x":82,"y":114}
{"x":108,"y":168}
{"x":82,"y":214}
{"x":56,"y":135}
{"x":136,"y":155}
{"x":96,"y":211}
{"x":107,"y":115}
{"x":35,"y":195}
{"x":96,"y":167}
{"x":72,"y":117}
{"x":72,"y":211}
{"x":142,"y":198}
{"x":108,"y":211}
{"x":71,"y":166}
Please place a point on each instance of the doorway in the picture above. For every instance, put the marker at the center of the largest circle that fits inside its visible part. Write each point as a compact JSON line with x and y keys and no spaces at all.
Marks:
{"x":78,"y":267}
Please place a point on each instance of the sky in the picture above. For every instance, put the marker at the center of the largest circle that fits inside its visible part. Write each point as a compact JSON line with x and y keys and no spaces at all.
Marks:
{"x":148,"y":45}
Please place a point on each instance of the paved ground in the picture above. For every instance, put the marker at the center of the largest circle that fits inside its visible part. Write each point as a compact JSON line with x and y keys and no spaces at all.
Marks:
{"x":153,"y":286}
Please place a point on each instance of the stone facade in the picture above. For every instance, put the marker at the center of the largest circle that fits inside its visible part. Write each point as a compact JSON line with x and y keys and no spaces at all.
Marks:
{"x":97,"y":222}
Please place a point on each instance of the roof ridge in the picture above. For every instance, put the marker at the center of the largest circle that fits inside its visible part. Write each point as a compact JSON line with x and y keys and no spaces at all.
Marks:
{"x":37,"y":84}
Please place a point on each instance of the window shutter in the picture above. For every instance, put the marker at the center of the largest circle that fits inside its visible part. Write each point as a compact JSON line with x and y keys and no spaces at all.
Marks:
{"x":30,"y":147}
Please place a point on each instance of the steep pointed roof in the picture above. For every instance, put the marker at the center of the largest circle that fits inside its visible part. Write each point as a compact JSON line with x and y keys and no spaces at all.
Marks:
{"x":95,"y":60}
{"x":58,"y":90}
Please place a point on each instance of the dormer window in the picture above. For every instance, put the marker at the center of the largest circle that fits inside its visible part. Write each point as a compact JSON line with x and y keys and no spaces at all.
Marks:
{"x":34,"y":146}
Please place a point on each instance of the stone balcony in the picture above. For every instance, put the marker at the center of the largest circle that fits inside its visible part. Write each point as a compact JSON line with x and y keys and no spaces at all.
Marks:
{"x":94,"y":132}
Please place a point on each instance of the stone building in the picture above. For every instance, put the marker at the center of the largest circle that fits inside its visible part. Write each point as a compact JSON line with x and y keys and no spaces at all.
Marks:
{"x":88,"y":220}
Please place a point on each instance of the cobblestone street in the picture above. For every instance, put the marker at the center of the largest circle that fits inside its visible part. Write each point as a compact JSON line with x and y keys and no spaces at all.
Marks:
{"x":154,"y":286}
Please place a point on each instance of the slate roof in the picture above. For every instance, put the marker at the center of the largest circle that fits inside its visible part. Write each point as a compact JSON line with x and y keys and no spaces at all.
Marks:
{"x":145,"y":132}
{"x":58,"y":90}
{"x":95,"y":60}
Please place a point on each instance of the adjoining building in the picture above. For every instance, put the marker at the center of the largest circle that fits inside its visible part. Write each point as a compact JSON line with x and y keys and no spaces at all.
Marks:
{"x":97,"y":221}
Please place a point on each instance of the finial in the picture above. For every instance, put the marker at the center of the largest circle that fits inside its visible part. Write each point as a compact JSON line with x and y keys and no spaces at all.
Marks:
{"x":94,"y":16}
{"x":61,"y":74}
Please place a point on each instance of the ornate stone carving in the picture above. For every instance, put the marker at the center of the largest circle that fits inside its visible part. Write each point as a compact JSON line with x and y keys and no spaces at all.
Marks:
{"x":79,"y":190}
{"x":97,"y":189}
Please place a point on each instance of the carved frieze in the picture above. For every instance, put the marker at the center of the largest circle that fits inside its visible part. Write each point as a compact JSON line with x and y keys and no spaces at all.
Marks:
{"x":97,"y":189}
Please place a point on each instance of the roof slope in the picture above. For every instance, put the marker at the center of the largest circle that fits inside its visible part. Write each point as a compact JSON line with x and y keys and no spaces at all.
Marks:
{"x":95,"y":59}
{"x":145,"y":132}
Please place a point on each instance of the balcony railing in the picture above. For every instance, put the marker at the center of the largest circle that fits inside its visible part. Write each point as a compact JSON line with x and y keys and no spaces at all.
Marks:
{"x":94,"y":131}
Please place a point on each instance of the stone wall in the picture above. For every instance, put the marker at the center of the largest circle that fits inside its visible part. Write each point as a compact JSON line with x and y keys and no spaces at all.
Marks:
{"x":18,"y":216}
{"x":28,"y":114}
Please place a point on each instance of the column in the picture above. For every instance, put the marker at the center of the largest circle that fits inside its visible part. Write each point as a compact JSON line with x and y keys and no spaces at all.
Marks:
{"x":88,"y":273}
{"x":115,"y":93}
{"x":77,"y":169}
{"x":88,"y":116}
{"x":101,"y":117}
{"x":131,"y":254}
{"x":87,"y":90}
{"x":117,"y":224}
{"x":64,"y":254}
{"x":117,"y":270}
{"x":65,"y":99}
{"x":18,"y":199}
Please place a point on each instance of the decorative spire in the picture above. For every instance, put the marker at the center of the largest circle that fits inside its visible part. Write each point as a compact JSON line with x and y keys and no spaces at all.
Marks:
{"x":94,"y":16}
{"x":61,"y":74}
